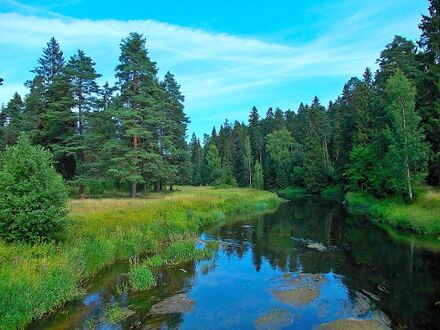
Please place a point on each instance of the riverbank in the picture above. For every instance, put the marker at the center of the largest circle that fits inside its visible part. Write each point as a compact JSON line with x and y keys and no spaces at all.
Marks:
{"x":37,"y":279}
{"x":422,"y":216}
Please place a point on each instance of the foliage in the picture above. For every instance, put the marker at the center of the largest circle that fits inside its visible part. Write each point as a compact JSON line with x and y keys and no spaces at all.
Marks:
{"x":32,"y":194}
{"x":407,"y":153}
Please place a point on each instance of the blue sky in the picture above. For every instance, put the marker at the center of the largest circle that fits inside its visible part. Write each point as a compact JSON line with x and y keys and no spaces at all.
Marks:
{"x":227,"y":55}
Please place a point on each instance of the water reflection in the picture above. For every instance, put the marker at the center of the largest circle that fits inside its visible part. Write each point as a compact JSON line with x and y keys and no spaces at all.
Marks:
{"x":305,"y":265}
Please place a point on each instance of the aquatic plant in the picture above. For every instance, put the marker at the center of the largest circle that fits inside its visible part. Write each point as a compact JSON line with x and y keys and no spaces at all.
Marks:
{"x":141,"y":278}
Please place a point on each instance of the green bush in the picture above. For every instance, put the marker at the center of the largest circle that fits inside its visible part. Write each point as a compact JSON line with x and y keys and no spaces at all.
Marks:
{"x":32,"y":194}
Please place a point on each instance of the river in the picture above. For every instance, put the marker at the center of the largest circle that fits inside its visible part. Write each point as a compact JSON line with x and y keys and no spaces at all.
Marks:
{"x":307,"y":265}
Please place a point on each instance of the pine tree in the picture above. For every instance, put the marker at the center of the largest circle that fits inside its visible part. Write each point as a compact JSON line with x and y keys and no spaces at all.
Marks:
{"x":407,"y":151}
{"x":81,"y":74}
{"x":138,"y":152}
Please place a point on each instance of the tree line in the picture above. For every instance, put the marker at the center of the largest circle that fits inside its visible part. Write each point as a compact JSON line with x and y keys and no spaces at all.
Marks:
{"x":129,"y":134}
{"x":380,"y":135}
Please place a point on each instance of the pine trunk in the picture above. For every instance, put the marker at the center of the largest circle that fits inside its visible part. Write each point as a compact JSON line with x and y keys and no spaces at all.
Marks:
{"x":81,"y":191}
{"x":133,"y":189}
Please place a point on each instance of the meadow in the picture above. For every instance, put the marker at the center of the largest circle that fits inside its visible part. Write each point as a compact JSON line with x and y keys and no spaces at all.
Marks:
{"x":36,"y":279}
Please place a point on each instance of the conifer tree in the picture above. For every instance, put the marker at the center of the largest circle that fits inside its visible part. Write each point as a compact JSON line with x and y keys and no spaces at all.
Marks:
{"x":11,"y":121}
{"x":177,"y":130}
{"x":81,"y":74}
{"x":314,"y":170}
{"x":48,"y":116}
{"x":137,"y":152}
{"x":429,"y":100}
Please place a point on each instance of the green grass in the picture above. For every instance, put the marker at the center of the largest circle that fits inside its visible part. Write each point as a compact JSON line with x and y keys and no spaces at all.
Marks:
{"x":293,"y":192}
{"x":140,"y":278}
{"x":36,"y":279}
{"x":422,"y":216}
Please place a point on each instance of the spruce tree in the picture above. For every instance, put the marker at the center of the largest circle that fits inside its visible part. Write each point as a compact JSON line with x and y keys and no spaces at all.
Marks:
{"x":429,"y":100}
{"x":48,"y":116}
{"x":196,"y":161}
{"x":315,"y":177}
{"x":174,"y":113}
{"x":214,"y":173}
{"x":11,"y":121}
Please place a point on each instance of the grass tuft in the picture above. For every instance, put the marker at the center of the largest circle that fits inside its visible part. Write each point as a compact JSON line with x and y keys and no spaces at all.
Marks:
{"x":141,"y":278}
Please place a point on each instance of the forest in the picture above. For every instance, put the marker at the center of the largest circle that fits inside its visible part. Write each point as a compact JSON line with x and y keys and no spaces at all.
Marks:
{"x":380,"y":136}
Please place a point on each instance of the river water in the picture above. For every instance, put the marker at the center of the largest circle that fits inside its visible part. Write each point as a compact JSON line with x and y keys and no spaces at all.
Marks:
{"x":308,"y":265}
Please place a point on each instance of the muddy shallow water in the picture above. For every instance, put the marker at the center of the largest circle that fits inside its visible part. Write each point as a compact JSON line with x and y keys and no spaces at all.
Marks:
{"x":309,"y":265}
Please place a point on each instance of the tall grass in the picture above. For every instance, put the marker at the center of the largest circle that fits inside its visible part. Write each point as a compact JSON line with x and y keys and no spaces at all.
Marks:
{"x":421,"y":216}
{"x":35,"y":279}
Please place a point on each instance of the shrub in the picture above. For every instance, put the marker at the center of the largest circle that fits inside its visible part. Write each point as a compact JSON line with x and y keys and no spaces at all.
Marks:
{"x":32,"y":194}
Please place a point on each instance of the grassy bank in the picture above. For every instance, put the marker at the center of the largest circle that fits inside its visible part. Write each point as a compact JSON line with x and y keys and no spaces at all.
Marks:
{"x":36,"y":279}
{"x":335,"y":193}
{"x":292,"y":192}
{"x":422,"y":216}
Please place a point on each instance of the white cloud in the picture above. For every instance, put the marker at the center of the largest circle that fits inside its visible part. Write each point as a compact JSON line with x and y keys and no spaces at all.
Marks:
{"x":208,"y":65}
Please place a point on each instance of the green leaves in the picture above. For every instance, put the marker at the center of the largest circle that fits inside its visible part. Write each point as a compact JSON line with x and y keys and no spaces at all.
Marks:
{"x":32,"y":194}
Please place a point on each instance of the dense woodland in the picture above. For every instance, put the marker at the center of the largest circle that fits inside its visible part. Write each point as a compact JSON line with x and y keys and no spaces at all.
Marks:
{"x":381,"y":135}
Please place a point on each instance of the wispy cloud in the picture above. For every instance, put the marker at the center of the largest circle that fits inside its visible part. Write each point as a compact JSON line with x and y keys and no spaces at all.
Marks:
{"x":209,"y":66}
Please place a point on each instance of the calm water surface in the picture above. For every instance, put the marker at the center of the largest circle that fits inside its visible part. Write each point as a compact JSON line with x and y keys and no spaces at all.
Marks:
{"x":307,"y":265}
